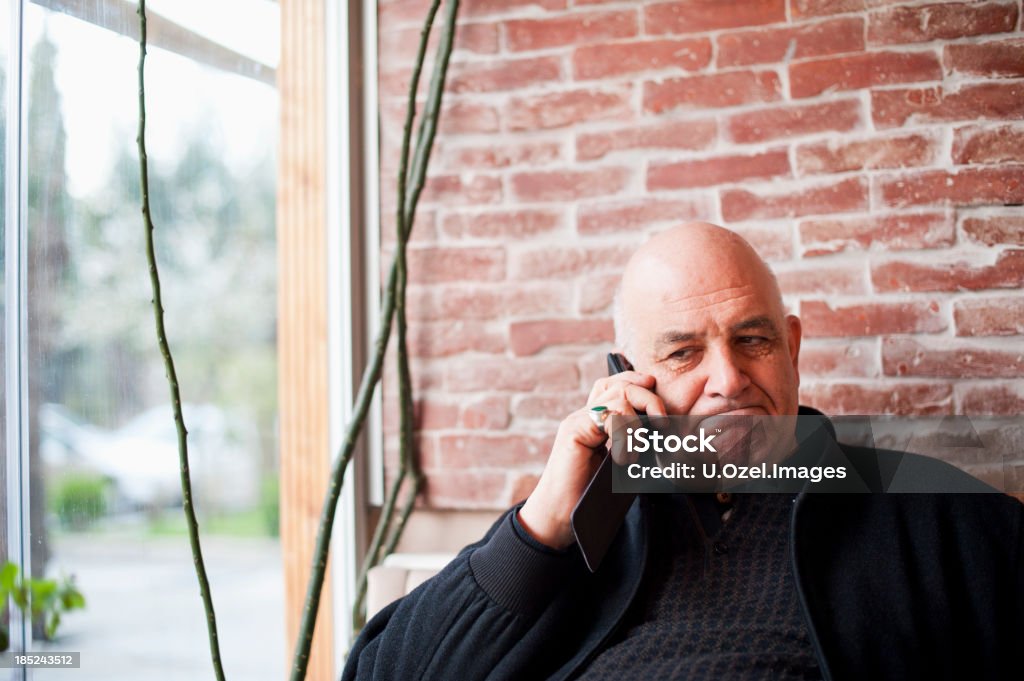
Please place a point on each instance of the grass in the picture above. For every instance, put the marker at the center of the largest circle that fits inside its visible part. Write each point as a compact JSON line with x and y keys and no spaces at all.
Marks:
{"x":250,"y":523}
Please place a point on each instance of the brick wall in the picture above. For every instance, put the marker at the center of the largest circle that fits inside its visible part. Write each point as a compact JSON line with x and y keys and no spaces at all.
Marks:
{"x":872,"y":151}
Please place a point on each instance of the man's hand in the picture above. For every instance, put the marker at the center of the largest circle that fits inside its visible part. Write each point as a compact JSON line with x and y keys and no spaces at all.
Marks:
{"x":578,"y":451}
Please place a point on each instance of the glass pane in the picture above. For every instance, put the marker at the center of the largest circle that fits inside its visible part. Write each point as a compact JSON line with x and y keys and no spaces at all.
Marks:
{"x":5,"y":30}
{"x":106,"y":496}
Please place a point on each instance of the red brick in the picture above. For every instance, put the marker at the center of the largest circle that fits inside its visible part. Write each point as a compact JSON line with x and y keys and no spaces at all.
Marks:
{"x":695,"y":16}
{"x":989,"y":316}
{"x":396,"y":82}
{"x":520,"y":374}
{"x":977,"y":144}
{"x":699,"y":134}
{"x":767,"y":45}
{"x":441,"y":339}
{"x":879,"y":398}
{"x":394,"y":12}
{"x":481,"y":302}
{"x":801,"y":9}
{"x":971,"y":186}
{"x":837,"y":279}
{"x":712,"y":91}
{"x":946,"y":359}
{"x":400,"y":46}
{"x":549,"y":407}
{"x":991,"y":101}
{"x":840,"y":156}
{"x":492,"y":451}
{"x":571,"y":29}
{"x":505,"y":74}
{"x":553,"y":263}
{"x":997,"y":229}
{"x":883,"y":232}
{"x":431,"y":414}
{"x":637,"y":215}
{"x":1006,"y":272}
{"x":790,"y":121}
{"x":617,"y":59}
{"x":850,"y":359}
{"x":563,"y":109}
{"x":772,"y":243}
{"x":569,"y":185}
{"x":597,"y":292}
{"x":593,"y":366}
{"x":505,"y":224}
{"x":456,"y":264}
{"x":939,"y":22}
{"x":839,"y":197}
{"x":390,"y":14}
{"x":530,"y":337}
{"x":718,"y":170}
{"x":465,"y":489}
{"x":995,"y":400}
{"x":488,"y":413}
{"x":1003,"y":58}
{"x":810,"y":78}
{"x":468,"y":117}
{"x":477,"y":8}
{"x":424,"y":229}
{"x":459,"y":190}
{"x":500,"y":155}
{"x":870,"y":319}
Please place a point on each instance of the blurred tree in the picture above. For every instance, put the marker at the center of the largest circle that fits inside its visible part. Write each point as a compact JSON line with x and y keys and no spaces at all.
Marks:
{"x":47,"y":218}
{"x":215,"y":244}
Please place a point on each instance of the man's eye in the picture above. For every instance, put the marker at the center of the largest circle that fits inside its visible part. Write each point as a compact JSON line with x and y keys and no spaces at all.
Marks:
{"x":685,"y":353}
{"x":752,"y":340}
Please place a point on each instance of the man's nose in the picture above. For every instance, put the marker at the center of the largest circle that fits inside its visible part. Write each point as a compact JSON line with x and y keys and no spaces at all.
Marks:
{"x":726,"y":377}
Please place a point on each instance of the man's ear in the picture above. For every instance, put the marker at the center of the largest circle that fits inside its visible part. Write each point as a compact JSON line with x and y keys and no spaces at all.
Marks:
{"x":795,"y":331}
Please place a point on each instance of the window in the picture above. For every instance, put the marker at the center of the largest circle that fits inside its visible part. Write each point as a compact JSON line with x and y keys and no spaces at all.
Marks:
{"x":102,"y":458}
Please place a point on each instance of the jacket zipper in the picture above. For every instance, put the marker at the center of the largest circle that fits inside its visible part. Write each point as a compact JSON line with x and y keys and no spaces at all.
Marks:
{"x":804,"y":609}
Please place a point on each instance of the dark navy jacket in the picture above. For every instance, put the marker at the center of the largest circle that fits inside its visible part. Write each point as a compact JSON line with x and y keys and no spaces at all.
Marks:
{"x":893,"y":586}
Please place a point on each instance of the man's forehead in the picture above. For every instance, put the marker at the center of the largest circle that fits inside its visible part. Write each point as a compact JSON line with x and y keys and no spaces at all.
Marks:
{"x":683,"y":301}
{"x":668,"y":317}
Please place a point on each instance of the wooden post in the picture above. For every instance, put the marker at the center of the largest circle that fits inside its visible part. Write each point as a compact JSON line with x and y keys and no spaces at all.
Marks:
{"x":302,"y":315}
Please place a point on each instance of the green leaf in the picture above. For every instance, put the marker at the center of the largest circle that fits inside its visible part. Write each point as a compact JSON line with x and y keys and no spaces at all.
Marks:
{"x":52,"y":622}
{"x":72,"y":599}
{"x":20,"y":596}
{"x":43,"y":589}
{"x":8,"y":573}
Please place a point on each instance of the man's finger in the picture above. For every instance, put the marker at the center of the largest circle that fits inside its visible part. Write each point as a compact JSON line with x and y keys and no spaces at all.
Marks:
{"x":602,"y":385}
{"x":638,"y":398}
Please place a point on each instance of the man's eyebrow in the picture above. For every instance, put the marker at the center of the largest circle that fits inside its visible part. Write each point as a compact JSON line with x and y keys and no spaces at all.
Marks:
{"x":755,"y":323}
{"x":673,"y":337}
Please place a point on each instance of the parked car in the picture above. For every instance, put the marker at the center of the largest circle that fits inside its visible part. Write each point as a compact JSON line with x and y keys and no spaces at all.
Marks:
{"x":140,"y":459}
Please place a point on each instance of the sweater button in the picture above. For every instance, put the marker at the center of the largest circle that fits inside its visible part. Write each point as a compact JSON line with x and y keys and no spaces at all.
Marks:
{"x":720,"y":548}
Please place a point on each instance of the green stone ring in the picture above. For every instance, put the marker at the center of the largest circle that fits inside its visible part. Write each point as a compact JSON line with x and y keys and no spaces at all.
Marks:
{"x":598,"y":415}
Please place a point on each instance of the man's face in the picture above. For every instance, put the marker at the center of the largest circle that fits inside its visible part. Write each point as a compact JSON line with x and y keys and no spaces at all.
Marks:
{"x":727,"y":350}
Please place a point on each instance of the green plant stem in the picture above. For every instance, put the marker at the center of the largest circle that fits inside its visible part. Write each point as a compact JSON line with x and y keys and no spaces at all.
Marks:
{"x":165,"y":350}
{"x":403,"y":227}
{"x":406,"y":210}
{"x":371,"y":375}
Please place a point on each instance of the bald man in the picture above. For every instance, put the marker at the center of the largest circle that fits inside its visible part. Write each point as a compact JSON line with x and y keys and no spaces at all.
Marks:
{"x":774,"y":586}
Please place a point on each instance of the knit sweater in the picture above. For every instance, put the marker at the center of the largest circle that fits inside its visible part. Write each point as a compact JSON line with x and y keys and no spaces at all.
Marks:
{"x":680,"y":627}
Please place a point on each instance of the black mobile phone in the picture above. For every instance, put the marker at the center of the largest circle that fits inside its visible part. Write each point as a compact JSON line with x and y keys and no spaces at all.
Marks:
{"x":599,"y":513}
